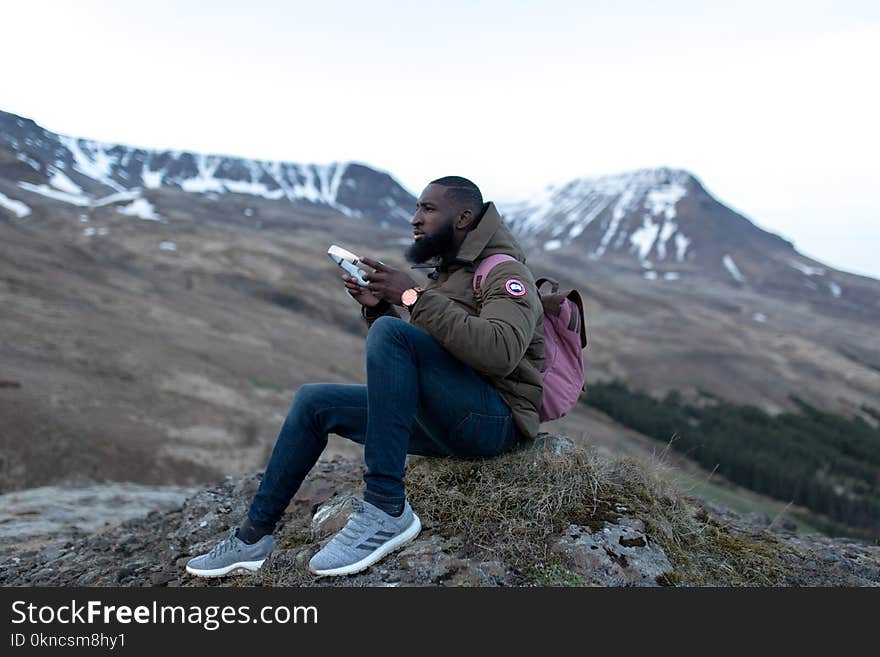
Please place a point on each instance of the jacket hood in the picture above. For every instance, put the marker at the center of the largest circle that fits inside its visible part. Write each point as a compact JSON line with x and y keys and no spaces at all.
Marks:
{"x":491,"y":236}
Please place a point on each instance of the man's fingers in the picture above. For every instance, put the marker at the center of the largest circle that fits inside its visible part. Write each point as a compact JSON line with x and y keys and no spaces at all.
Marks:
{"x":375,"y":277}
{"x":378,"y":265}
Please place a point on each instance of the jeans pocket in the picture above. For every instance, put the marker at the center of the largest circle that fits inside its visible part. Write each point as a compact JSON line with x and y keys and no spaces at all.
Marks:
{"x":483,"y":435}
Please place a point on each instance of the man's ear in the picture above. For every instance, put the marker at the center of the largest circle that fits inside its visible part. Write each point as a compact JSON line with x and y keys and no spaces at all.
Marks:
{"x":465,"y":220}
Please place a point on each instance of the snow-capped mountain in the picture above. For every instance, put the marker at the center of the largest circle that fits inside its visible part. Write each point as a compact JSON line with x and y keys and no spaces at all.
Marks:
{"x":664,"y":222}
{"x":84,"y":172}
{"x":660,"y":224}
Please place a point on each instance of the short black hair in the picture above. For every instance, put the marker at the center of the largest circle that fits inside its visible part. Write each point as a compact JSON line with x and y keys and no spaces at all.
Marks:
{"x":461,"y":191}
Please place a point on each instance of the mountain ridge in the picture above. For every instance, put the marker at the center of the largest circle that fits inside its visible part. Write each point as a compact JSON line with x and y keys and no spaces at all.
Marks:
{"x":81,"y":171}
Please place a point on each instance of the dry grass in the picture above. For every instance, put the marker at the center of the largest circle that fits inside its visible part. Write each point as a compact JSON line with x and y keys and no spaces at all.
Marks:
{"x":512,"y":507}
{"x":513,"y":504}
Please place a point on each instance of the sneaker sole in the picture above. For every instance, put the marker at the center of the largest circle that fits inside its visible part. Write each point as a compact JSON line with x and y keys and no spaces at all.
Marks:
{"x":244,"y":566}
{"x":383,"y":550}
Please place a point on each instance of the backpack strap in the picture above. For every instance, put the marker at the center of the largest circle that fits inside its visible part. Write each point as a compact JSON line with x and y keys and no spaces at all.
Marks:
{"x":553,"y":301}
{"x":553,"y":282}
{"x":486,"y":265}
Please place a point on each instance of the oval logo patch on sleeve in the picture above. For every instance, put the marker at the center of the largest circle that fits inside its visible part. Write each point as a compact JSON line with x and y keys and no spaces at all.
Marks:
{"x":515,"y":288}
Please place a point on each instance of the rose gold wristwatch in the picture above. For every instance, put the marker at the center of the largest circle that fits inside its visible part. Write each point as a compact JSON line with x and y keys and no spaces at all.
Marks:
{"x":410,"y":296}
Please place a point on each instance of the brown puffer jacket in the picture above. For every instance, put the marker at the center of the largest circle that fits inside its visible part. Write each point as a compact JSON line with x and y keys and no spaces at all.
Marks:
{"x":501,"y":338}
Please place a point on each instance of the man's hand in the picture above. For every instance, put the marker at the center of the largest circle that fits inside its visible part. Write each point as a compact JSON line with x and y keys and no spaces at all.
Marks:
{"x":359,"y":293}
{"x":386,"y":283}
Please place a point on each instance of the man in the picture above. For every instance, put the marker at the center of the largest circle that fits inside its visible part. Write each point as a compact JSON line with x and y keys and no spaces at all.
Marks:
{"x":461,"y":378}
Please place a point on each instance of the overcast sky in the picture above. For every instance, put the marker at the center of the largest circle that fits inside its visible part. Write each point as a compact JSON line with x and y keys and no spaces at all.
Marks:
{"x":773,"y":105}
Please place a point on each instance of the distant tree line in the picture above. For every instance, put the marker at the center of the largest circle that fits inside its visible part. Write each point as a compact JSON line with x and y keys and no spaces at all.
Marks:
{"x":827,"y":463}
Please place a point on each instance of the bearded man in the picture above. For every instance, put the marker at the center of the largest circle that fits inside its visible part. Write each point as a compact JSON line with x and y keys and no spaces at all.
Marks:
{"x":461,"y":378}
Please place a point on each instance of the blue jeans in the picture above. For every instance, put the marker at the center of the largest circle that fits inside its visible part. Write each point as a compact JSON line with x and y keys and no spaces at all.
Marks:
{"x":418,"y":399}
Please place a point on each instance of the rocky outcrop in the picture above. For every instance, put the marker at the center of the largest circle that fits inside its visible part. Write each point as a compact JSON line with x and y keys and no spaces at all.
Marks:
{"x":619,"y":539}
{"x":618,"y":555}
{"x":53,"y":515}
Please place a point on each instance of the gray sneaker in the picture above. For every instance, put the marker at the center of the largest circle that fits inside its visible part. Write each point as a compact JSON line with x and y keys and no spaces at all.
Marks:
{"x":231,"y":554}
{"x":369,"y":535}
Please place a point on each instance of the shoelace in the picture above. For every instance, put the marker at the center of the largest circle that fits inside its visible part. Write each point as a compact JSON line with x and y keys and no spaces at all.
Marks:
{"x":224,"y":545}
{"x":356,"y":525}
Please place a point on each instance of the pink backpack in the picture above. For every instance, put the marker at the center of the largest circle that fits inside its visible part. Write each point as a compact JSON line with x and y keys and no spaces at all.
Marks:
{"x":565,"y":337}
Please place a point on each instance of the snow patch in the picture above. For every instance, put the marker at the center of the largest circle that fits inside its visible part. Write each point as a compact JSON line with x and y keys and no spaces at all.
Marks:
{"x":620,"y":210}
{"x":644,"y":237}
{"x":836,"y":290}
{"x":807,"y":270}
{"x":759,"y":317}
{"x":672,"y":276}
{"x":45,"y":190}
{"x":552,"y":245}
{"x":339,"y":171}
{"x":253,"y":189}
{"x":662,"y":200}
{"x":17,"y":208}
{"x":140,"y":208}
{"x":118,"y":197}
{"x":152,"y":179}
{"x":668,"y":230}
{"x":650,"y":275}
{"x":732,"y":269}
{"x":205,"y":180}
{"x":88,"y":232}
{"x":91,"y":159}
{"x":681,"y":246}
{"x":168,"y":246}
{"x":30,"y":162}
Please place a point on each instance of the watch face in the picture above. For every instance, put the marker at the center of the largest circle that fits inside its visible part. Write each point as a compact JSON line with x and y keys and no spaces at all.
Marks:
{"x":409,"y":297}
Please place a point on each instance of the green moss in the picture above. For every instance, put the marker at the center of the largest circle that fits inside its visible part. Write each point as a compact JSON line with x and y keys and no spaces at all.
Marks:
{"x":554,"y":575}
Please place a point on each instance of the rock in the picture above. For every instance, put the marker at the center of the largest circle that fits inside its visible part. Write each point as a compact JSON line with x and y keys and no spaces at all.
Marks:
{"x":492,"y":571}
{"x":301,"y":558}
{"x":161,"y":578}
{"x":788,"y":523}
{"x":51,"y":553}
{"x":618,"y":555}
{"x":634,"y":524}
{"x":484,"y":573}
{"x":556,"y":445}
{"x":426,"y":560}
{"x":335,"y":478}
{"x":330,"y":518}
{"x":66,"y":512}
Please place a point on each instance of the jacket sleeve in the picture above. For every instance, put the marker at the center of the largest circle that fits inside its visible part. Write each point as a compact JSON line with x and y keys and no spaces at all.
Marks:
{"x":495,"y":341}
{"x":370,"y":315}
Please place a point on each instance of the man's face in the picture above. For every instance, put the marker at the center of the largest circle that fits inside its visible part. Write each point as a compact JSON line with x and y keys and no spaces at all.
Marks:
{"x":433,"y":225}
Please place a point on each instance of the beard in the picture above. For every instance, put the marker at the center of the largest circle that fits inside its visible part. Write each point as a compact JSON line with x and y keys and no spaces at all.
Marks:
{"x":431,"y":246}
